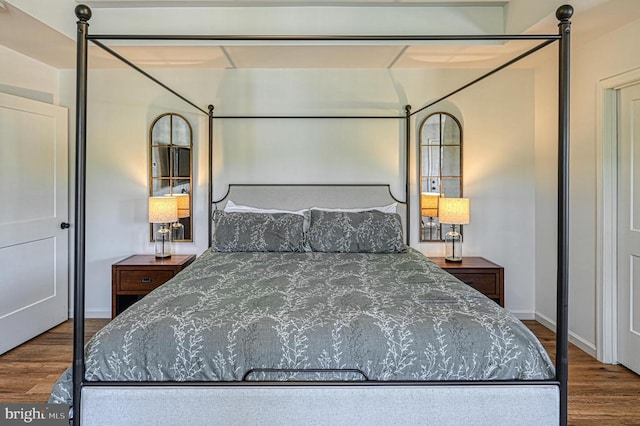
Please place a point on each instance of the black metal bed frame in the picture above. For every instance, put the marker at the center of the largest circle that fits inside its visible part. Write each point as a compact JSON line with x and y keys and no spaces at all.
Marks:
{"x":563,"y":14}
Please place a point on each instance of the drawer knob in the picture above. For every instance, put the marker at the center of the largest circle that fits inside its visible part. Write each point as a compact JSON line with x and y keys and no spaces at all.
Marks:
{"x":146,"y":280}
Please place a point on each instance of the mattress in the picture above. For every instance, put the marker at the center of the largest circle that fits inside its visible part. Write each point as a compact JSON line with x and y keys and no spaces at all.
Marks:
{"x":393,"y":316}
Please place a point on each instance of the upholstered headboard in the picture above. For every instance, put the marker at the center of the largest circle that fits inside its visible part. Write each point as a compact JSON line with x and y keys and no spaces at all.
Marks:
{"x":301,"y":196}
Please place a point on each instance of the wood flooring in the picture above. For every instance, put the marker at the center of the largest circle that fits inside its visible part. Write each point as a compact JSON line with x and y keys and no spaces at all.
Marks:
{"x":28,"y":372}
{"x":599,"y":394}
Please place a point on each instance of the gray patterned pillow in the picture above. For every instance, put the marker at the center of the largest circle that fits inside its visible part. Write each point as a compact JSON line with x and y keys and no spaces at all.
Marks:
{"x":355,"y":232}
{"x":252,"y":232}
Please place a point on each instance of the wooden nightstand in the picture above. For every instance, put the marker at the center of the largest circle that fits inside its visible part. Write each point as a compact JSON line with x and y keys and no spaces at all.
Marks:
{"x":486,"y":277}
{"x":134,"y":277}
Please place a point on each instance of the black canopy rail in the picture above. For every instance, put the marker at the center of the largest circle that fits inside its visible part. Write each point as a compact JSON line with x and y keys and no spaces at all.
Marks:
{"x":318,"y":117}
{"x":318,"y":38}
{"x":563,"y":14}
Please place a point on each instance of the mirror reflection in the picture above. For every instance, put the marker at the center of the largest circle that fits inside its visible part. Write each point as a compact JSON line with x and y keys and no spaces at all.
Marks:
{"x":170,"y":171}
{"x":440,"y":156}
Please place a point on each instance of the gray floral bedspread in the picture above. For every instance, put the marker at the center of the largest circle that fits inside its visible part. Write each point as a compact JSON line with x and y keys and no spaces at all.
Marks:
{"x":393,"y":316}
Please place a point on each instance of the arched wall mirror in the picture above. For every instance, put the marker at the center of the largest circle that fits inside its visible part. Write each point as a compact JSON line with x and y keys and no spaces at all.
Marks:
{"x":440,"y":156}
{"x":170,"y":171}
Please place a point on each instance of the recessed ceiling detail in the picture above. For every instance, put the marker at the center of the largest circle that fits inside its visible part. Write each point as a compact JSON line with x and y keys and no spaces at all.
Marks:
{"x":292,"y":57}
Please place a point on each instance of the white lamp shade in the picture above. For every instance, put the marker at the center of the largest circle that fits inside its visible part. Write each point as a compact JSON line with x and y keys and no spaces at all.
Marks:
{"x":163,"y":209}
{"x":454,"y":211}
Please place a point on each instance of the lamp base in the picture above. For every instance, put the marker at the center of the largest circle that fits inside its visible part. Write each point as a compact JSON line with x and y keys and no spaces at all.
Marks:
{"x":453,"y":245}
{"x":163,"y":243}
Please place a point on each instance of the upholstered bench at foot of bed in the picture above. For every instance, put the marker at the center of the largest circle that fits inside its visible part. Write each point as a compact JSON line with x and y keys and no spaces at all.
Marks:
{"x":285,"y":405}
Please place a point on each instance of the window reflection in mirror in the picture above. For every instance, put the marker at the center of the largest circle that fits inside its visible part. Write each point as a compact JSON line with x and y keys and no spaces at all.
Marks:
{"x":170,"y":171}
{"x":440,"y":156}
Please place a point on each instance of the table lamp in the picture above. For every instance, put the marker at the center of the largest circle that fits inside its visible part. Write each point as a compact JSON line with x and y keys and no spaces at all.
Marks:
{"x":163,"y":210}
{"x":453,"y":211}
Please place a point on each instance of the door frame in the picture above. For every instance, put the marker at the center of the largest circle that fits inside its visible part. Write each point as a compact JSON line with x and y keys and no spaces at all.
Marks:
{"x":607,"y":212}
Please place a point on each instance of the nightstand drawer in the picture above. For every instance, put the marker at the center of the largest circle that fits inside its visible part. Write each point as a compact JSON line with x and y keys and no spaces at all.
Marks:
{"x":485,"y":276}
{"x":141,"y":280}
{"x":484,"y":283}
{"x":134,"y":277}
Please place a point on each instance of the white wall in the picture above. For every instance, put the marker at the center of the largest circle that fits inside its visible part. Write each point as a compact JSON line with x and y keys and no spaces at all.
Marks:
{"x":546,"y":160}
{"x":592,"y":61}
{"x":26,"y":77}
{"x":499,"y":179}
{"x":498,"y":152}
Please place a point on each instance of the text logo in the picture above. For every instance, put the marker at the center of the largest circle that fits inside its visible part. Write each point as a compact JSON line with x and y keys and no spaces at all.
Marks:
{"x":34,"y":414}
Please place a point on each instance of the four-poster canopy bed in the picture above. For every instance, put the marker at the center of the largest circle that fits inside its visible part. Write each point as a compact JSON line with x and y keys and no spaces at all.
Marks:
{"x":357,"y":393}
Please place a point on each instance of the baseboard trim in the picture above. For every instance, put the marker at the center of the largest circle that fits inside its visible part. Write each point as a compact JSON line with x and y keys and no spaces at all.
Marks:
{"x":524,"y":315}
{"x":96,"y":313}
{"x":579,"y":341}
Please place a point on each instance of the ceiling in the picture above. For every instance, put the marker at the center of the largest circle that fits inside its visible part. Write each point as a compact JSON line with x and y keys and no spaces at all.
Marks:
{"x":45,"y":30}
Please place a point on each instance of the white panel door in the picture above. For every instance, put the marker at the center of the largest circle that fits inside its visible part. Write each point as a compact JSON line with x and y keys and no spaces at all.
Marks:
{"x":629,"y":228}
{"x":33,"y":203}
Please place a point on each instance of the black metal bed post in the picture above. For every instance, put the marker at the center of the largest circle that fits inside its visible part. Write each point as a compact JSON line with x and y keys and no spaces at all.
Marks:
{"x":84,"y":14}
{"x":407,"y":171}
{"x":210,"y":177}
{"x":563,"y":14}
